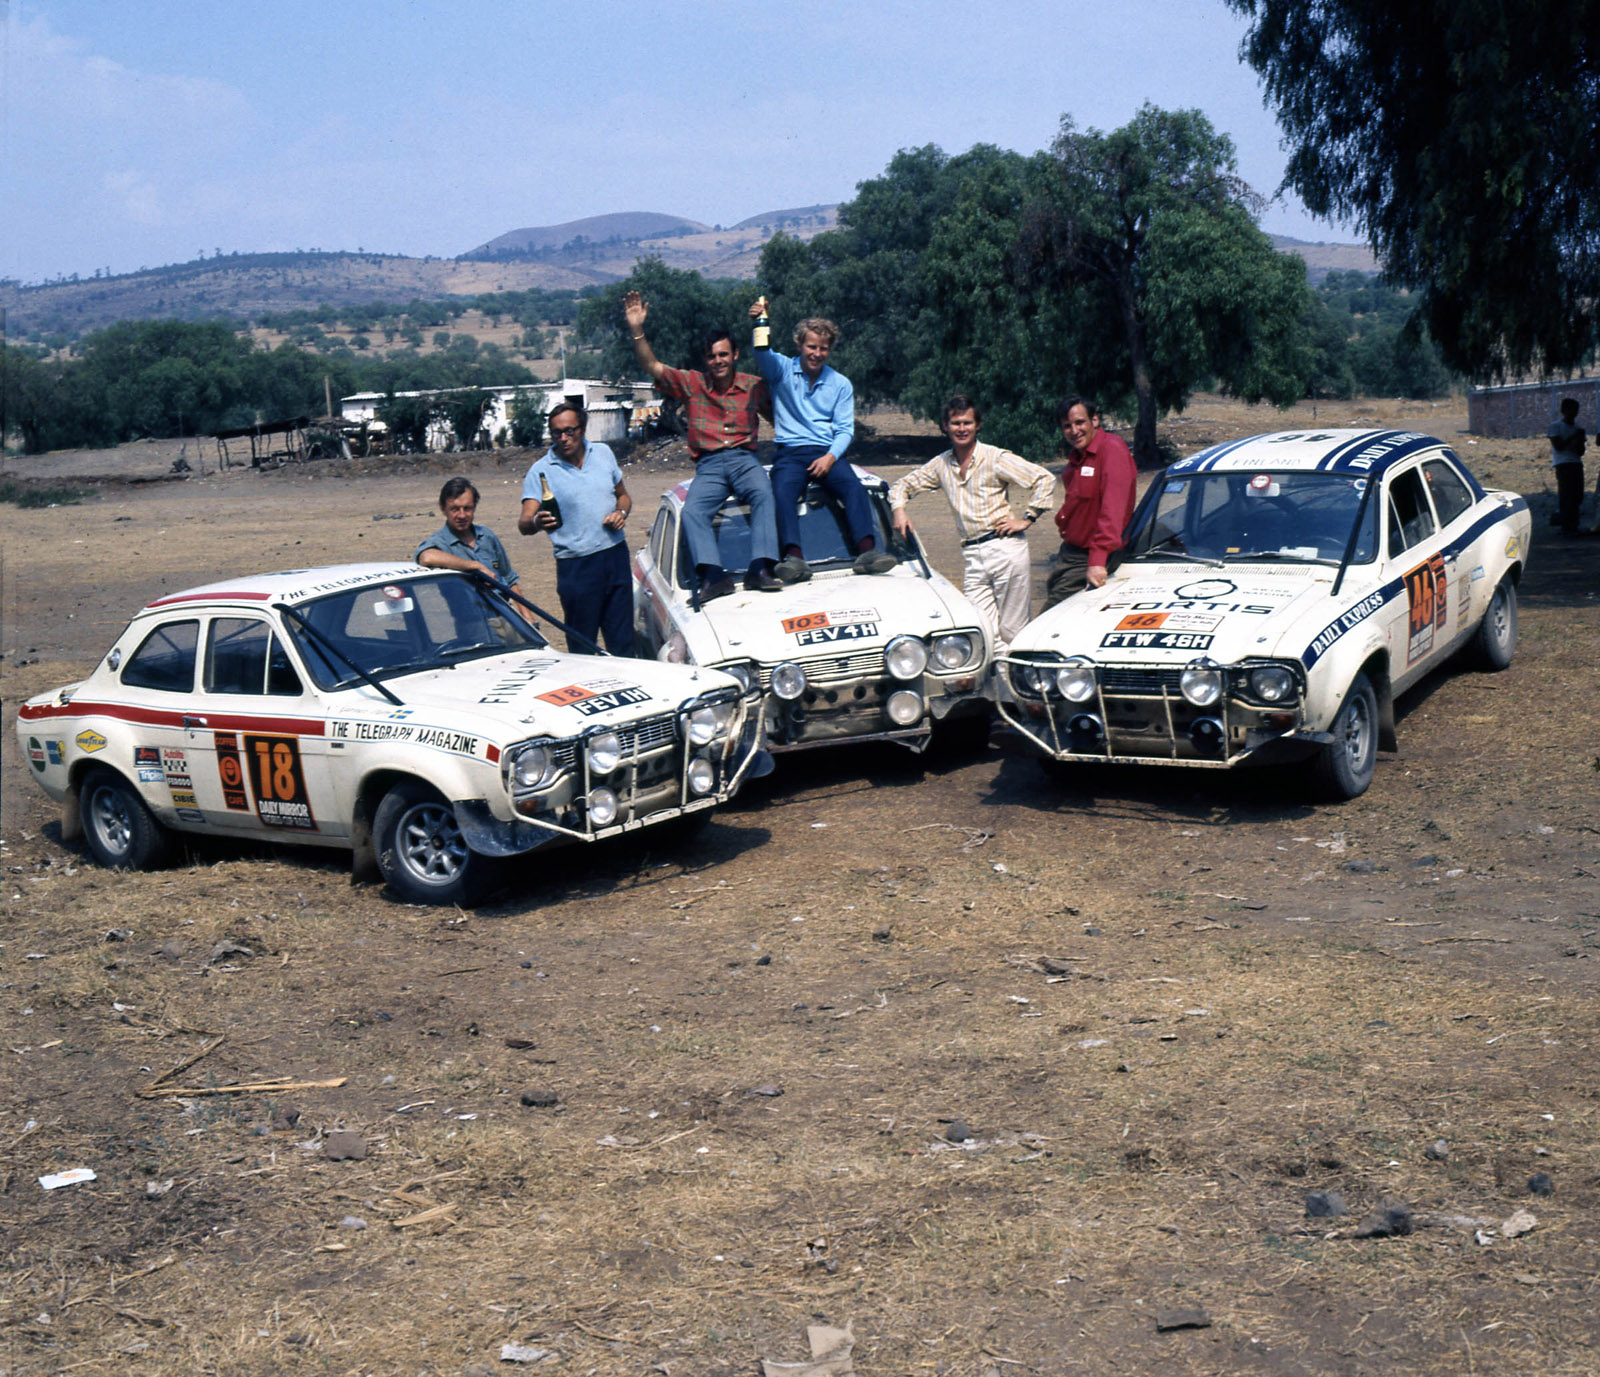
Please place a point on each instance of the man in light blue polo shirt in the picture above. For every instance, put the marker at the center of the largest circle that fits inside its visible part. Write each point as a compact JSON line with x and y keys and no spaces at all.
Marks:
{"x":592,"y":576}
{"x":813,"y":422}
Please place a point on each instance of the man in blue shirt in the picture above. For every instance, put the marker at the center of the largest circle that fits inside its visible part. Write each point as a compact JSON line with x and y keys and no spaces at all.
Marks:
{"x":463,"y":544}
{"x":592,"y":576}
{"x":813,"y":422}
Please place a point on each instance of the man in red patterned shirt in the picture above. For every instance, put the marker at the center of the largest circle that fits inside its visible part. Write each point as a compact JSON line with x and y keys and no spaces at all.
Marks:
{"x":724,"y":409}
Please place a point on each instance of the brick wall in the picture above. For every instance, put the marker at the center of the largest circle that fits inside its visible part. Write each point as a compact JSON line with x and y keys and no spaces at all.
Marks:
{"x":1509,"y":412}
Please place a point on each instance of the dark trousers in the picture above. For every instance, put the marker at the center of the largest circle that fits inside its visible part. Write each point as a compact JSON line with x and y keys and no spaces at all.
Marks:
{"x":1569,"y":496}
{"x":1069,"y":573}
{"x":789,"y":481}
{"x":596,"y":593}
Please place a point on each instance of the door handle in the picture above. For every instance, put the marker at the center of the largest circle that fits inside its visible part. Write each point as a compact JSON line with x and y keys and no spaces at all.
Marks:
{"x":193,"y":721}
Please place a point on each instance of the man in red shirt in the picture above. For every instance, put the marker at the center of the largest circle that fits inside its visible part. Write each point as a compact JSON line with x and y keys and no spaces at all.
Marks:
{"x":724,"y":409}
{"x":1100,"y":480}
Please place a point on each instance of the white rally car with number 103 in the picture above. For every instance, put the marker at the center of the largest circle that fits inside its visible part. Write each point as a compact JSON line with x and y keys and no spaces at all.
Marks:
{"x":1278,"y":592}
{"x":411,"y":716}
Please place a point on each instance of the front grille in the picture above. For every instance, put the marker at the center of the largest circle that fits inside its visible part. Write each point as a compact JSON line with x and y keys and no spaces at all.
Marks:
{"x":649,"y":735}
{"x":1120,"y":679}
{"x":835,"y":669}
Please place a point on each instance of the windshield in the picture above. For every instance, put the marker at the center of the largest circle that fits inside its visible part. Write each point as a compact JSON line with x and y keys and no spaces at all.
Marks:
{"x":1264,"y":516}
{"x":823,"y":533}
{"x":406,"y":625}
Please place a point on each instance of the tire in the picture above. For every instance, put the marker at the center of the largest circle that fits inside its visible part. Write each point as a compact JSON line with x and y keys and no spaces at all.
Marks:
{"x":1495,"y":641}
{"x":121,"y":832}
{"x":1345,"y":767}
{"x":421,"y":852}
{"x":959,"y":737}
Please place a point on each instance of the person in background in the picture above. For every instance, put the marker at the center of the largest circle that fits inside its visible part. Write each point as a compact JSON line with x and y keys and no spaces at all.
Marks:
{"x":1568,"y":440}
{"x":723,"y":408}
{"x":977,"y":480}
{"x":592,"y":576}
{"x":813,"y":422}
{"x":1100,"y":480}
{"x":463,"y":544}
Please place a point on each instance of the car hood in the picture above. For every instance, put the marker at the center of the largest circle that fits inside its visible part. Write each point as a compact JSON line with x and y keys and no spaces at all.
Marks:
{"x":541,"y":693}
{"x":1172,"y":613}
{"x":830,"y":611}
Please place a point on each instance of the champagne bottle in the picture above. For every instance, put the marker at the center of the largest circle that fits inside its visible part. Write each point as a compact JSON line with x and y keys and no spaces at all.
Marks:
{"x":547,"y":501}
{"x":761,"y":336}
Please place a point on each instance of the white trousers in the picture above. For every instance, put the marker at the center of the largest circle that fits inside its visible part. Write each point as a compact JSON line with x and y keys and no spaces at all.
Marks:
{"x":997,"y":579}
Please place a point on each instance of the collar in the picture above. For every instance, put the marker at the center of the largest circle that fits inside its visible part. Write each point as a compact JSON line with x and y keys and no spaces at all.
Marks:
{"x":742,"y":382}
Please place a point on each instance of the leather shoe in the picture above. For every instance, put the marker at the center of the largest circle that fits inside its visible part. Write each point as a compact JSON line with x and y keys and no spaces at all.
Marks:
{"x":720,"y":589}
{"x":792,"y":569}
{"x":759,"y":581}
{"x":873,"y":562}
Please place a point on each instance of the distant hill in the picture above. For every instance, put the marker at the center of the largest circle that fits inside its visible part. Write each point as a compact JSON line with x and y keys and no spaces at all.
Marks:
{"x":566,"y":257}
{"x":626,"y":227}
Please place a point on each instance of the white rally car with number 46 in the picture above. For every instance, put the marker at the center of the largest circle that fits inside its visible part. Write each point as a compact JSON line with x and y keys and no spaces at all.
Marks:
{"x":1277,"y":593}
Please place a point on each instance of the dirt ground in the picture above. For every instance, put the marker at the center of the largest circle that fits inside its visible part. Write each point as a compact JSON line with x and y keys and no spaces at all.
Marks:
{"x":658,"y":1111}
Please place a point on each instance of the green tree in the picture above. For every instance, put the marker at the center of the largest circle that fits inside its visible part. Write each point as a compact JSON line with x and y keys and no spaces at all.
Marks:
{"x":465,"y":411}
{"x":684,"y":308}
{"x":1153,"y":228}
{"x":407,"y":419}
{"x":1460,"y":135}
{"x":527,"y":419}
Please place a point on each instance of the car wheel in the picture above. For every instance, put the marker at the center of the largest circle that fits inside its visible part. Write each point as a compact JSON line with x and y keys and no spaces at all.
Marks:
{"x":955,"y":737}
{"x":1344,"y":768}
{"x":121,"y":832}
{"x":421,"y":852}
{"x":1496,"y":639}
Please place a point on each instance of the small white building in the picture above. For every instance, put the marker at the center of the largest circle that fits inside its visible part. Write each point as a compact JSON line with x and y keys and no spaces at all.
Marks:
{"x":614,"y":409}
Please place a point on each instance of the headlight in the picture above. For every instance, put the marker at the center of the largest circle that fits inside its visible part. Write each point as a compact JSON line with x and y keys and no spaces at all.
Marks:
{"x":905,"y":707}
{"x":1030,"y":679}
{"x":1201,"y":683}
{"x":702,"y":725}
{"x":702,"y":778}
{"x":788,"y":681}
{"x":1272,"y":684}
{"x":951,"y":652}
{"x":1075,"y":680}
{"x":605,"y":753}
{"x":602,"y":807}
{"x":906,"y":657}
{"x":744,"y":672}
{"x":530,"y":768}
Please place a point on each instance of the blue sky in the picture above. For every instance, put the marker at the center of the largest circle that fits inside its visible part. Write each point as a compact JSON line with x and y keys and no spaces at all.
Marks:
{"x":135,"y":135}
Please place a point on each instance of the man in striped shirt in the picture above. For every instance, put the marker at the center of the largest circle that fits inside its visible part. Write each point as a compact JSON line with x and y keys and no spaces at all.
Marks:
{"x":976,"y":479}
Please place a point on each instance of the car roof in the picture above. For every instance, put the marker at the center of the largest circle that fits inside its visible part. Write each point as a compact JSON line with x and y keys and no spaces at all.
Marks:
{"x":1329,"y":451}
{"x":679,"y":492}
{"x":290,"y":585}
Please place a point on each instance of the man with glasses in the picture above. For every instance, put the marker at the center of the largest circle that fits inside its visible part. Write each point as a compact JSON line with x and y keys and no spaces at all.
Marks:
{"x":592,"y":576}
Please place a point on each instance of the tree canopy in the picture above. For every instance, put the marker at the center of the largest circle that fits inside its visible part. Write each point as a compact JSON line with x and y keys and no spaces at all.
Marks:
{"x":1461,"y":136}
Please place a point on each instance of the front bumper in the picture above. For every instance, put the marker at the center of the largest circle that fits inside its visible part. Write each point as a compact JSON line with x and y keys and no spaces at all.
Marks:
{"x":1138,"y":715}
{"x":846,"y":698}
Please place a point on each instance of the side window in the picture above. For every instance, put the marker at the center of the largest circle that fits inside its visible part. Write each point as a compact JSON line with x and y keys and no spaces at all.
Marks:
{"x":658,"y":538}
{"x":165,"y":659}
{"x":1410,"y":516}
{"x":1451,"y":496}
{"x":243,"y":656}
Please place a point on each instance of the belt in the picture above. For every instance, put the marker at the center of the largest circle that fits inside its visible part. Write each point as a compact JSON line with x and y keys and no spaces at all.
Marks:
{"x":991,"y":535}
{"x":749,"y":448}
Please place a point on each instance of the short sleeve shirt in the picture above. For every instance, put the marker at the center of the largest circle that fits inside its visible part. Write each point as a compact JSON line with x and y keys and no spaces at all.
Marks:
{"x":586,"y":496}
{"x":488,"y":550}
{"x":717,"y":420}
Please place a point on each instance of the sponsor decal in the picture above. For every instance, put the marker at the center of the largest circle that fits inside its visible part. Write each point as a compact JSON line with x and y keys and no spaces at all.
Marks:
{"x":440,"y":738}
{"x":1514,"y":547}
{"x":191,"y":815}
{"x":1156,"y":640}
{"x":311,"y":590}
{"x":147,"y":775}
{"x":279,"y":782}
{"x":90,"y":741}
{"x":231,"y":772}
{"x":36,"y":753}
{"x":1171,"y":621}
{"x":54,"y":750}
{"x":1206,"y":590}
{"x":511,"y":684}
{"x":593,"y":700}
{"x":1477,"y":573}
{"x":1428,"y":599}
{"x":172,"y":758}
{"x":1346,"y":621}
{"x":146,"y":755}
{"x":184,"y":798}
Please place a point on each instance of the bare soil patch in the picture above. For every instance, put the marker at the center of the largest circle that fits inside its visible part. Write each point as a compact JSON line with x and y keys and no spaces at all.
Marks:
{"x":1165,"y":1007}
